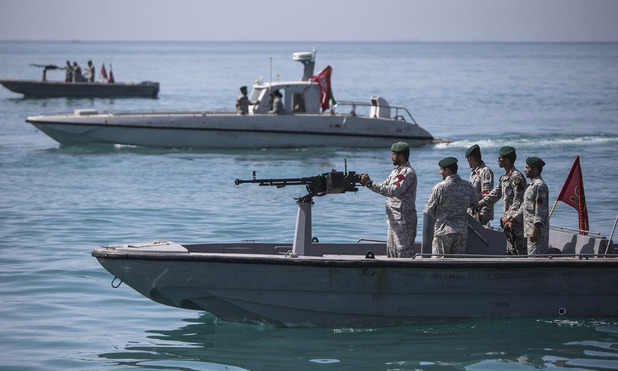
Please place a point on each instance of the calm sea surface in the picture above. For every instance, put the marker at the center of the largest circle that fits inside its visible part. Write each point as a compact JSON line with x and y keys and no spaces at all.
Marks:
{"x":59,"y":312}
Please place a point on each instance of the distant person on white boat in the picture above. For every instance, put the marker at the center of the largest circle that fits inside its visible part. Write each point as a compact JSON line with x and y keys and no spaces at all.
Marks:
{"x":243,"y":102}
{"x":68,"y":74}
{"x":534,"y":212}
{"x":448,"y":204}
{"x":510,"y":189}
{"x":77,"y":73}
{"x":399,"y":188}
{"x":277,"y":103}
{"x":90,"y":71}
{"x":482,"y":179}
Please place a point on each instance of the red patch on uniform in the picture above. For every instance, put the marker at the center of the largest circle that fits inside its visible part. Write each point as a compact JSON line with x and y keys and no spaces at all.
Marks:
{"x":539,"y":201}
{"x":400,"y":177}
{"x":396,"y":183}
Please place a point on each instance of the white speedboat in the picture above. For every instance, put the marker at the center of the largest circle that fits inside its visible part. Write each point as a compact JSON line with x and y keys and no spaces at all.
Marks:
{"x":304,"y":123}
{"x":355,"y":285}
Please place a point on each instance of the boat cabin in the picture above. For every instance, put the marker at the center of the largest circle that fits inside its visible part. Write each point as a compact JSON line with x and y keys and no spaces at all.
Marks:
{"x":298,"y":97}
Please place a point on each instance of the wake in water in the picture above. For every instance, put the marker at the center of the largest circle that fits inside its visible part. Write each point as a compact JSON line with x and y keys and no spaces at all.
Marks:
{"x":535,"y":141}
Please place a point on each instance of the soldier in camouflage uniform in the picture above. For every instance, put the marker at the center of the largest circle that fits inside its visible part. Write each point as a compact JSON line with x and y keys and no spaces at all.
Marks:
{"x":399,"y":188}
{"x":482,"y":179}
{"x":243,"y":102}
{"x":510,"y":188}
{"x":447,"y":204}
{"x":534,"y":212}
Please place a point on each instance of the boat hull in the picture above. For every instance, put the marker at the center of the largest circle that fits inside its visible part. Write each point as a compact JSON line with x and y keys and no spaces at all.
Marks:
{"x":349,"y":290}
{"x":54,"y":89}
{"x":229,"y":130}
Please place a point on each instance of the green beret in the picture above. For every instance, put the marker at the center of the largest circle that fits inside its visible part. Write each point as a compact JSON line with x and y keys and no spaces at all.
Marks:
{"x":472,"y":149}
{"x":507,"y":151}
{"x":535,"y":162}
{"x":446,"y":162}
{"x":400,"y":147}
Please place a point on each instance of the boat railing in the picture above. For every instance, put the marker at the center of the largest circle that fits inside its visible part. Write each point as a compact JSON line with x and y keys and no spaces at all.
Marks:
{"x":400,"y":112}
{"x":567,"y":229}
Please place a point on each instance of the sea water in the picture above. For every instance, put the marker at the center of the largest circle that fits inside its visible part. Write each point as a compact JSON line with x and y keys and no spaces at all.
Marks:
{"x":58,"y":310}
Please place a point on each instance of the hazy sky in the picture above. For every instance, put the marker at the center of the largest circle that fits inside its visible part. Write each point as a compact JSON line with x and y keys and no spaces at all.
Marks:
{"x":314,"y":20}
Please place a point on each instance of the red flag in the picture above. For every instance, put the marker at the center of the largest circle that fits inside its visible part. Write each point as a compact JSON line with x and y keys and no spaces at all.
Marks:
{"x":103,"y":71}
{"x":326,"y":95}
{"x":572,"y":194}
{"x":111,"y":74}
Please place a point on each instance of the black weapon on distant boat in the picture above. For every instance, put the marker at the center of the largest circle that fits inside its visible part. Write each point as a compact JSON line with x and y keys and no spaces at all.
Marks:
{"x":45,"y":67}
{"x":320,"y":185}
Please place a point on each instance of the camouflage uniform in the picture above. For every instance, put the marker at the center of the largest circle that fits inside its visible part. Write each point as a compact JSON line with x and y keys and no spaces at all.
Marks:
{"x":511,"y":188}
{"x":535,"y":209}
{"x":400,"y":191}
{"x":447,"y":204}
{"x":242,"y":104}
{"x":482,"y":179}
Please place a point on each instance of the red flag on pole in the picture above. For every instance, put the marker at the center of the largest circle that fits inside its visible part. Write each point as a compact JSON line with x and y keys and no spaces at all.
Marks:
{"x":111,"y":74}
{"x":572,"y":194}
{"x":103,"y":71}
{"x":326,"y":94}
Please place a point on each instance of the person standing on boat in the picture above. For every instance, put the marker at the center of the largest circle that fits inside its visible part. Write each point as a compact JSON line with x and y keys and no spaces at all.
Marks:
{"x":534,"y":212}
{"x":399,"y":188}
{"x":448,"y":203}
{"x":77,"y":73}
{"x":243,"y":102}
{"x":68,"y":74}
{"x":482,"y":179}
{"x":277,"y":104}
{"x":90,"y":71}
{"x":510,"y":188}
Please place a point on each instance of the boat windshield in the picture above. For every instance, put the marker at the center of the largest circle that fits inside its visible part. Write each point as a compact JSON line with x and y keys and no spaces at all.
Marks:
{"x":255,"y":94}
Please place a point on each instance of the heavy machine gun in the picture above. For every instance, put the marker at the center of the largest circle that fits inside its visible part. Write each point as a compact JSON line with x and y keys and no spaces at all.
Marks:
{"x":46,"y":67}
{"x":320,"y":185}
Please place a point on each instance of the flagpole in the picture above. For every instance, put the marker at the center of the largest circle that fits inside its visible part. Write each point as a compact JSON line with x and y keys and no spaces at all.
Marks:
{"x":552,"y":209}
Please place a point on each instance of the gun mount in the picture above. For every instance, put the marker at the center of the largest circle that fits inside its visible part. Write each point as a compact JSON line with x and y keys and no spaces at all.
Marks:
{"x":320,"y":185}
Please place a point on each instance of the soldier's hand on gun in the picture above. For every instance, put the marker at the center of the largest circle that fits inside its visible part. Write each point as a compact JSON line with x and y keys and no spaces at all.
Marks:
{"x":364,"y":179}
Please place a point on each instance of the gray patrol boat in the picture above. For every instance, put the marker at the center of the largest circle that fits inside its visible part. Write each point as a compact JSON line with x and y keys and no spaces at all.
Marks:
{"x":354,"y":284}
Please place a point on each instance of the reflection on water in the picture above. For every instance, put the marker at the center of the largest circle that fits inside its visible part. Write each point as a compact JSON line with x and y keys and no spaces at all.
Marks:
{"x":205,"y":343}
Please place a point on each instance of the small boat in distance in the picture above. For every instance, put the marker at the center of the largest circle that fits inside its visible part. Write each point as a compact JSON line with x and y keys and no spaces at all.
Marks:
{"x":98,"y":89}
{"x":304,"y":121}
{"x":307,"y":281}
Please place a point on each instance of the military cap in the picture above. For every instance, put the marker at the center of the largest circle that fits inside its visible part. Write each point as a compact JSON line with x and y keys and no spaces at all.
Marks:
{"x":507,"y":151}
{"x":472,"y":149}
{"x":400,"y":147}
{"x":535,"y":162}
{"x":243,"y":88}
{"x":446,"y":162}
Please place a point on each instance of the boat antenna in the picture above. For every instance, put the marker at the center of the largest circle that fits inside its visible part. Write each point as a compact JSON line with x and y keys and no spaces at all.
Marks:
{"x":270,"y":81}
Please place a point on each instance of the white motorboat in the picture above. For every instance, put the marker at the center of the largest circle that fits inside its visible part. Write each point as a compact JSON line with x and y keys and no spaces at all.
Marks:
{"x":304,"y":123}
{"x":355,"y":285}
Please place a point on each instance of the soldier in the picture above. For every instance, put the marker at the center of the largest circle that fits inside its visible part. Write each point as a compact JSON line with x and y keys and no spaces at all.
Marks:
{"x":399,"y":188}
{"x":510,"y":188}
{"x":535,"y":209}
{"x":447,"y":204}
{"x":243,"y":102}
{"x":482,"y":179}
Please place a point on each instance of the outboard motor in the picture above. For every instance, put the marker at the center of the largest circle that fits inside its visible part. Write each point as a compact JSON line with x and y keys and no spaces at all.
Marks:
{"x":308,"y":60}
{"x":379,"y":108}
